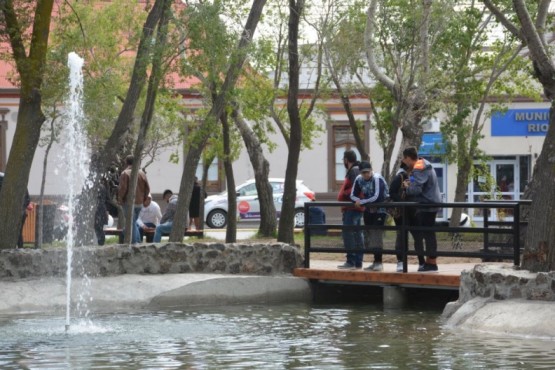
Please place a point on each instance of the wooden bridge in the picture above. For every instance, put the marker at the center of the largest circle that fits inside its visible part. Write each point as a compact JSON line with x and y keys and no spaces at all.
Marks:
{"x":448,"y":276}
{"x":493,"y":241}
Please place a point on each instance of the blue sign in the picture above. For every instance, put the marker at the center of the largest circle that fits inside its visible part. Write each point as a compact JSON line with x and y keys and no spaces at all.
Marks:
{"x":432,"y":144}
{"x":520,"y":122}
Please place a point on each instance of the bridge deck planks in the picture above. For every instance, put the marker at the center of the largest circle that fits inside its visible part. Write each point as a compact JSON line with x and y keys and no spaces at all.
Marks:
{"x":435,"y":279}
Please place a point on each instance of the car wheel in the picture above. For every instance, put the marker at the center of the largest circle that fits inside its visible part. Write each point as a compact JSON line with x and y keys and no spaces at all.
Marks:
{"x":299,"y":217}
{"x":217,"y":219}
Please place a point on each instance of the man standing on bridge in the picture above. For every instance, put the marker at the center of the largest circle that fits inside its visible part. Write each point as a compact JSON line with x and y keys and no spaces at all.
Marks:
{"x":423,"y":187}
{"x":352,"y":239}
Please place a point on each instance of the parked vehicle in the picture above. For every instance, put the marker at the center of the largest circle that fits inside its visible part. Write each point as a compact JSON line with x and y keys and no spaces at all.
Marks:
{"x":248,"y":207}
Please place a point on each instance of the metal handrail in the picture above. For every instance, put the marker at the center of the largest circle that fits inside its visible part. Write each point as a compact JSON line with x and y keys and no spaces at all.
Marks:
{"x":489,"y":228}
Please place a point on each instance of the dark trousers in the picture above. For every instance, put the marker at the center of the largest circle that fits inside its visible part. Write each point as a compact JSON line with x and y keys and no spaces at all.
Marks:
{"x":149,"y":237}
{"x":409,"y":214}
{"x":425,"y":219}
{"x":374,"y":238}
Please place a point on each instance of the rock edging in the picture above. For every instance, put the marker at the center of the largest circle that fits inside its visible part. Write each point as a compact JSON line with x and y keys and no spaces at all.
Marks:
{"x":165,"y":258}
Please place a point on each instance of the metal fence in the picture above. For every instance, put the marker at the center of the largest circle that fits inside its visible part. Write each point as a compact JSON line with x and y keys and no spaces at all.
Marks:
{"x":493,"y":240}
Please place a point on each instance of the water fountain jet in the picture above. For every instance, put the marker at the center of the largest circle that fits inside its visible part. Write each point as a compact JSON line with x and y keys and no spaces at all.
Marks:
{"x":76,"y":158}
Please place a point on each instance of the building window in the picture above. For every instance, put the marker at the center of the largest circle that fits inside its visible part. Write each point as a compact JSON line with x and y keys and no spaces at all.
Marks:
{"x":340,"y":139}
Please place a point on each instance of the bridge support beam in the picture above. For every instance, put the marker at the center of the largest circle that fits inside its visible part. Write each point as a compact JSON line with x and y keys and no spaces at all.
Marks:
{"x":394,"y":296}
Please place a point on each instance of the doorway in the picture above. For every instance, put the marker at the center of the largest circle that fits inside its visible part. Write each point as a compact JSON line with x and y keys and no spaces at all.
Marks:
{"x":503,"y":183}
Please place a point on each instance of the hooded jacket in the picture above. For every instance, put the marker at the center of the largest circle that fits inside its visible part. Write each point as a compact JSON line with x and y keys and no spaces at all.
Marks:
{"x":425,"y":187}
{"x":169,"y":213}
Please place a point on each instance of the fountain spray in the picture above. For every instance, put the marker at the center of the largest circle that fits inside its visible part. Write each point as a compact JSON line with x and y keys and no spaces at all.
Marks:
{"x":76,"y":159}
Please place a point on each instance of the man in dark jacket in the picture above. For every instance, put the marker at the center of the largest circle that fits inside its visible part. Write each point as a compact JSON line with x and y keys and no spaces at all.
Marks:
{"x":352,"y":239}
{"x":166,"y":223}
{"x":423,"y":187}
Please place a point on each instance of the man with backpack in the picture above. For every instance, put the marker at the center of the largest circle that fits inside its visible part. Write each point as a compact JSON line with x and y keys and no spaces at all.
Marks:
{"x":370,"y":188}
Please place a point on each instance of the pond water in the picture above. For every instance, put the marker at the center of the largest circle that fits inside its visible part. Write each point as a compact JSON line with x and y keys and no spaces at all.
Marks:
{"x":293,"y":336}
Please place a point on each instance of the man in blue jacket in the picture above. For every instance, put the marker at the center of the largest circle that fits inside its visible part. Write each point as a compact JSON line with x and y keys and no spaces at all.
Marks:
{"x":370,"y":188}
{"x":423,"y":187}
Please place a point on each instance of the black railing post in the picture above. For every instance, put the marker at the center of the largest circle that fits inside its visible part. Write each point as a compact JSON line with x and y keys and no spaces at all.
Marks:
{"x":516,"y":234}
{"x":306,"y":235}
{"x":486,"y":226}
{"x":404,"y":238}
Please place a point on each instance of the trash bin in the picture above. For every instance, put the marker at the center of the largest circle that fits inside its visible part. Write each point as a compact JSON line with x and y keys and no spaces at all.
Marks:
{"x":30,"y":229}
{"x":29,"y":226}
{"x":317,"y":216}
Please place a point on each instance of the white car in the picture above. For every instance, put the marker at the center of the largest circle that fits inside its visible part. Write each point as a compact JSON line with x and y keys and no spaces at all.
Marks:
{"x":248,"y":208}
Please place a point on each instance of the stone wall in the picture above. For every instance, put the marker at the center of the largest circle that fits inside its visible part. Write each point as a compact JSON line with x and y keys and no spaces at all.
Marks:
{"x":256,"y":259}
{"x":506,"y":282}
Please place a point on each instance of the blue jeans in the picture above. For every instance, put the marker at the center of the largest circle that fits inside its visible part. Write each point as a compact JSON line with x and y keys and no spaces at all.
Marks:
{"x":352,"y":239}
{"x":164,"y":228}
{"x":135,"y":234}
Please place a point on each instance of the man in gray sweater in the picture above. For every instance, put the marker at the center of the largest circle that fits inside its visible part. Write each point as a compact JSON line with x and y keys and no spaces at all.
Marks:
{"x":423,"y":187}
{"x":166,"y":223}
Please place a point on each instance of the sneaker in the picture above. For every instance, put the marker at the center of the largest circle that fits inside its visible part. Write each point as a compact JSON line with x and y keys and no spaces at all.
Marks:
{"x":399,"y":267}
{"x":346,"y":266}
{"x":376,"y":266}
{"x":427,"y":267}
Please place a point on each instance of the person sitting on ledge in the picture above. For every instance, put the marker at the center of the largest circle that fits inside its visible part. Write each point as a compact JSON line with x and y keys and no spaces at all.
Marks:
{"x":166,"y":223}
{"x":149,"y":217}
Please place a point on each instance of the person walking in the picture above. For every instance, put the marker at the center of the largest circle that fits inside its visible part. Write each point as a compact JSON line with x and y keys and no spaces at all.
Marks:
{"x":166,"y":223}
{"x":194,"y":206}
{"x":141,"y":192}
{"x":149,"y":217}
{"x":369,"y":188}
{"x":352,"y":215}
{"x":423,"y":187}
{"x":101,"y":215}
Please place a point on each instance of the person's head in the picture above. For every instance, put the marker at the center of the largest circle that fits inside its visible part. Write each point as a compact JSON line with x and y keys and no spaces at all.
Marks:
{"x":410,"y":156}
{"x":365,"y":170}
{"x":148,"y":200}
{"x":129,"y":160}
{"x":167,"y":195}
{"x":349,"y":158}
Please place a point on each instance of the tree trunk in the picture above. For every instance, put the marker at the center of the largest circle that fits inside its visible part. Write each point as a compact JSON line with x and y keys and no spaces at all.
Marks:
{"x":152,"y":91}
{"x":261,"y":168}
{"x":286,"y":221}
{"x":463,"y":175}
{"x":231,"y":231}
{"x":40,"y":210}
{"x":14,"y":186}
{"x":30,"y":117}
{"x":193,"y":157}
{"x":540,"y":233}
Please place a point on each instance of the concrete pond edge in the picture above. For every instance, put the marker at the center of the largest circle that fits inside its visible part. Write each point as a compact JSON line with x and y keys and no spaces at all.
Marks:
{"x":504,"y":300}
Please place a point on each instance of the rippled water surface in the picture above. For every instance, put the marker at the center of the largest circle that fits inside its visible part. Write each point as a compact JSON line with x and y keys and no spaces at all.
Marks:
{"x":262,"y":337}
